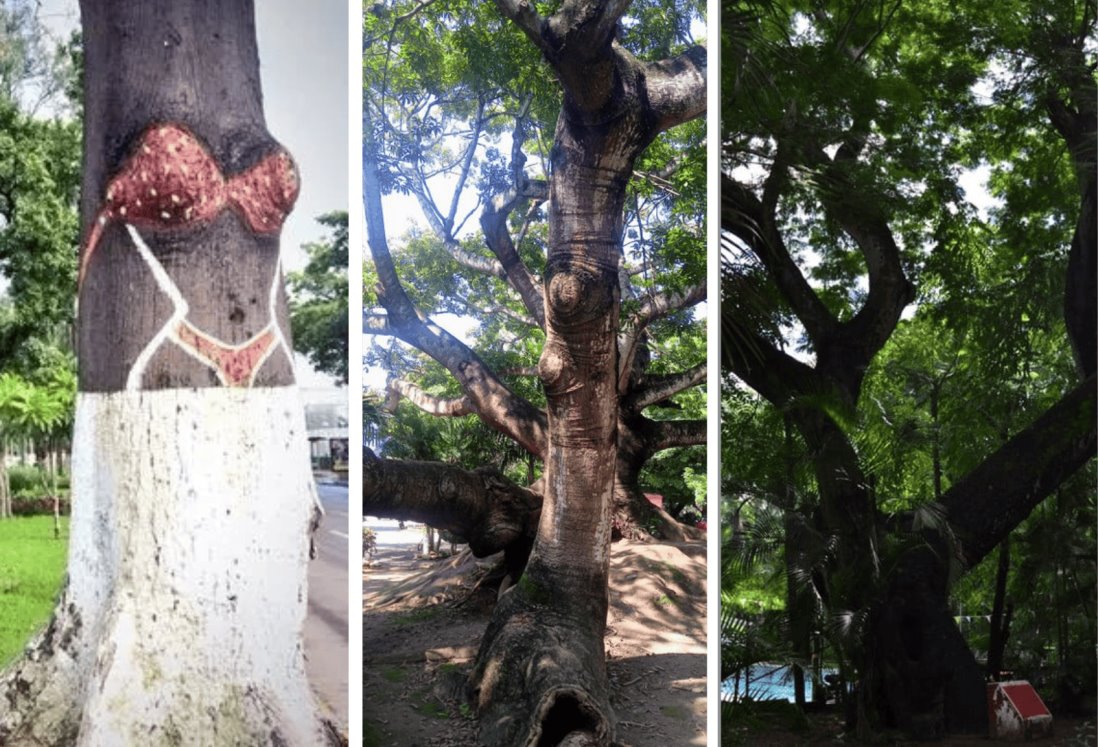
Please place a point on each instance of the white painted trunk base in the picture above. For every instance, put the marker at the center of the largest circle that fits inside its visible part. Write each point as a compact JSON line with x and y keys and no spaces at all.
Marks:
{"x":187,"y":568}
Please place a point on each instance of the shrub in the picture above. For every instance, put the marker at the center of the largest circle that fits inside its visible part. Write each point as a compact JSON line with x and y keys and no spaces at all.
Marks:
{"x":27,"y":481}
{"x":24,"y":479}
{"x":33,"y":505}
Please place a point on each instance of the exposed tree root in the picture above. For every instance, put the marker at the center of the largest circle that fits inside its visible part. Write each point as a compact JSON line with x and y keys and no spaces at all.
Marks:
{"x":40,"y":693}
{"x":540,"y":677}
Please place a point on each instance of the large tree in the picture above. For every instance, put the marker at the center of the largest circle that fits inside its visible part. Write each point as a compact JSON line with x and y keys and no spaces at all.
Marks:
{"x":460,"y":118}
{"x":845,"y":127}
{"x":39,"y":184}
{"x":318,"y":301}
{"x":180,"y":621}
{"x":540,"y":675}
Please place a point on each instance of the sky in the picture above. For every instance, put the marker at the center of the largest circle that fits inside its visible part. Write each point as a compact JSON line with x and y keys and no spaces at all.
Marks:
{"x":303,"y":66}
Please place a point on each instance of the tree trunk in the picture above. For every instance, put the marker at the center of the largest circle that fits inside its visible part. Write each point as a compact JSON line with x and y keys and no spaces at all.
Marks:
{"x":923,"y":675}
{"x":1000,"y":614}
{"x":181,"y":619}
{"x":798,"y":604}
{"x":5,"y":488}
{"x":556,"y":615}
{"x":540,"y":674}
{"x":919,"y":674}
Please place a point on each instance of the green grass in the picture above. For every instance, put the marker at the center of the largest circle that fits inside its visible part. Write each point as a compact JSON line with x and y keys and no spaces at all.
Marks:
{"x":422,"y":614}
{"x":431,"y":708}
{"x":394,"y":674}
{"x":32,"y":564}
{"x":673,"y":711}
{"x":371,"y":735}
{"x":748,"y":723}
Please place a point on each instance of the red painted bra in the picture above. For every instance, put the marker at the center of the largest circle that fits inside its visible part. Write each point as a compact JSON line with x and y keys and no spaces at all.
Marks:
{"x":171,"y":180}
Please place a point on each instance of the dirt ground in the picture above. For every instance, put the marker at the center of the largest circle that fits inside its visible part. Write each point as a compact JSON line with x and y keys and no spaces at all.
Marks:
{"x":422,"y":623}
{"x":827,"y":728}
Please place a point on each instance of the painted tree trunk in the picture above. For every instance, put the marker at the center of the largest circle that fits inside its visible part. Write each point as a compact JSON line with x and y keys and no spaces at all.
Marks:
{"x":181,"y":619}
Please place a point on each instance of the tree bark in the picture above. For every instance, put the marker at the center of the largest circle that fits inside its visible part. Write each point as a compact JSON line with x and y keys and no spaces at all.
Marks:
{"x":1000,"y":614}
{"x":5,"y":487}
{"x":180,"y":622}
{"x":482,"y":507}
{"x":987,"y":503}
{"x":634,"y":515}
{"x":919,"y":674}
{"x":556,"y":615}
{"x":922,"y":676}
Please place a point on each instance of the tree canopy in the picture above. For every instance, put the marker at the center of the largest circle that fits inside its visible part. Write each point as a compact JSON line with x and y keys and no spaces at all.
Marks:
{"x":39,"y":182}
{"x":318,"y":304}
{"x":460,"y":115}
{"x":908,"y":281}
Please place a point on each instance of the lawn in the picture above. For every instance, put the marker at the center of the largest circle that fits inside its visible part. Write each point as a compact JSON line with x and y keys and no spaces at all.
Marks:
{"x":32,"y":564}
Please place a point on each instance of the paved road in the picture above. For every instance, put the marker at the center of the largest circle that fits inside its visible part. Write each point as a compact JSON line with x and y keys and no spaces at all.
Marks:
{"x":326,"y":623}
{"x":388,"y":531}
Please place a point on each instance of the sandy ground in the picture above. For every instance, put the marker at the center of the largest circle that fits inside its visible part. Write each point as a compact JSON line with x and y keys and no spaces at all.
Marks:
{"x":422,"y":624}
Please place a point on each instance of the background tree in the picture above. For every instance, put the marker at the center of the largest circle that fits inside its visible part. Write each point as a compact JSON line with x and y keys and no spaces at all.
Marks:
{"x":191,"y":479}
{"x":569,"y":282}
{"x":39,"y":178}
{"x":42,"y":415}
{"x":318,"y":301}
{"x":846,"y":127}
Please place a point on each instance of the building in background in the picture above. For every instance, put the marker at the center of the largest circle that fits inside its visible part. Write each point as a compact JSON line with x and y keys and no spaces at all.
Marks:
{"x":326,"y":427}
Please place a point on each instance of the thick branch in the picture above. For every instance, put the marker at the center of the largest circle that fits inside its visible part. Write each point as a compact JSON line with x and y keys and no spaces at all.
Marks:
{"x":493,"y":221}
{"x":578,"y":42}
{"x":652,"y":309}
{"x":676,"y":87}
{"x":1078,"y":129}
{"x":673,"y":433}
{"x":523,"y":15}
{"x":772,"y":373}
{"x":497,"y":406}
{"x":987,"y":503}
{"x":743,"y":214}
{"x":847,"y":353}
{"x":585,"y":27}
{"x":482,"y":506}
{"x":657,"y":388}
{"x":454,"y":407}
{"x":1081,"y":291}
{"x":663,"y":304}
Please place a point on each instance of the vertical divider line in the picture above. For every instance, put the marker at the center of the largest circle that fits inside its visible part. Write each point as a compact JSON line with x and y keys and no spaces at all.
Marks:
{"x":713,"y":378}
{"x":355,"y":238}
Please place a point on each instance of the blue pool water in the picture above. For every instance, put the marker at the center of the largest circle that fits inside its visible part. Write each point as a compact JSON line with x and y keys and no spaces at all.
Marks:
{"x":767,"y":682}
